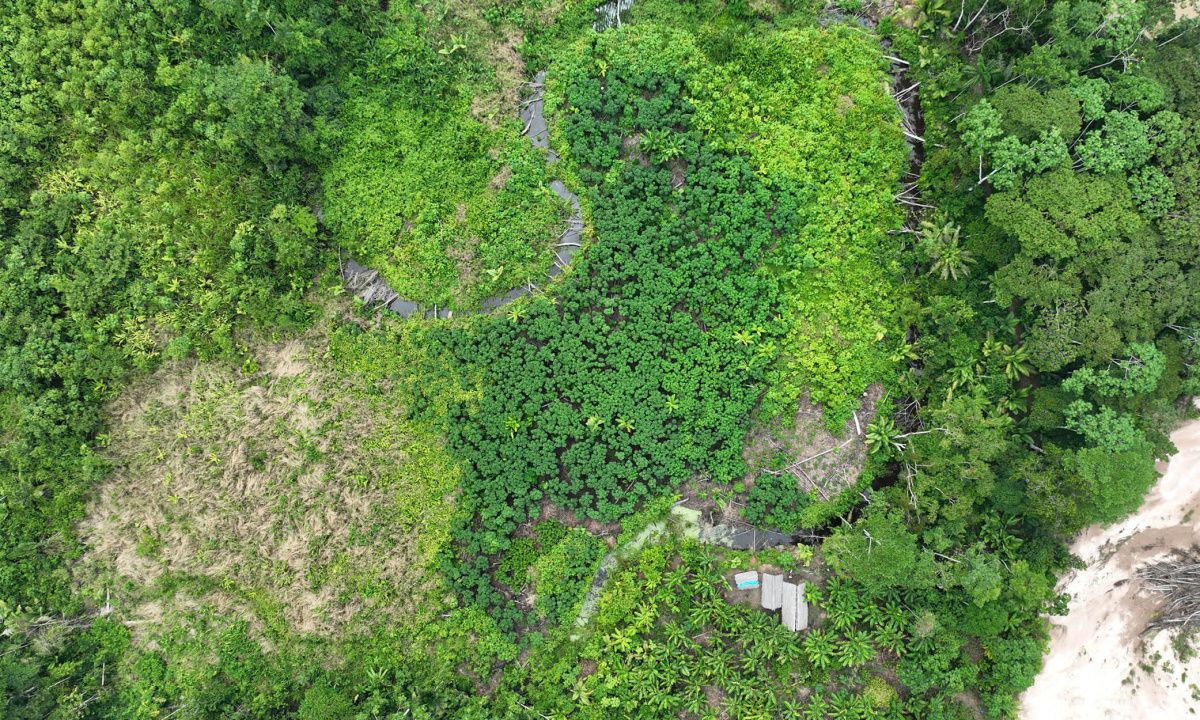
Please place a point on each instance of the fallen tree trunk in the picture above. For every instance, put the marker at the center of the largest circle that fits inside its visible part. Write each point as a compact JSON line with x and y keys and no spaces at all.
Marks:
{"x":1178,"y":580}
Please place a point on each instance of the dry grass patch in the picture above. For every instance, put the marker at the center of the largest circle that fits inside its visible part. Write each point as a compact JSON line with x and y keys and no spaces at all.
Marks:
{"x":289,"y":486}
{"x":498,"y":102}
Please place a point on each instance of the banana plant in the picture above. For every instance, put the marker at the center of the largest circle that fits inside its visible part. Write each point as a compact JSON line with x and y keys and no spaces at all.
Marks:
{"x":855,"y":649}
{"x":882,"y":436}
{"x":817,"y":708}
{"x":819,"y":649}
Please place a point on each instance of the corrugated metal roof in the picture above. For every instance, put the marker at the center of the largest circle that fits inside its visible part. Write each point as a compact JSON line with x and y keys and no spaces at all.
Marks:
{"x":772,"y":591}
{"x":794,"y":610}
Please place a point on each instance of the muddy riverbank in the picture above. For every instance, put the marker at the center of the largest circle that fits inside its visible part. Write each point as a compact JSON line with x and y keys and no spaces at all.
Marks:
{"x":1101,"y":664}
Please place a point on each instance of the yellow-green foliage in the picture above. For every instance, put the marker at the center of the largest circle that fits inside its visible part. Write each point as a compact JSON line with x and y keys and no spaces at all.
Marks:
{"x":879,"y":693}
{"x":802,"y":103}
{"x":394,"y":359}
{"x":448,"y":210}
{"x":812,"y":109}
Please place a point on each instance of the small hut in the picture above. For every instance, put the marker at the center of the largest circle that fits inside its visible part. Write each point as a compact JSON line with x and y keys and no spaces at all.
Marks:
{"x":794,"y":610}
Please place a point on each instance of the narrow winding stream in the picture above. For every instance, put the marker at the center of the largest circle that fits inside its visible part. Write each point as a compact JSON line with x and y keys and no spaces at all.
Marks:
{"x":370,"y":285}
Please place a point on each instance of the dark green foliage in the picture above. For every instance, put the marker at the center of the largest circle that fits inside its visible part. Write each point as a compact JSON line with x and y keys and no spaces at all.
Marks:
{"x":643,"y":367}
{"x":518,"y":558}
{"x":549,"y":533}
{"x":155,"y":177}
{"x":524,"y":552}
{"x":564,"y":572}
{"x":1113,"y":482}
{"x":322,"y":701}
{"x":630,"y":379}
{"x":1045,"y":376}
{"x":1027,"y":113}
{"x":163,"y":169}
{"x":776,"y":501}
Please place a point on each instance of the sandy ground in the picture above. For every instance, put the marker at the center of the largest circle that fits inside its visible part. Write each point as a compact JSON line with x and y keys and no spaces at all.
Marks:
{"x":1099,"y":666}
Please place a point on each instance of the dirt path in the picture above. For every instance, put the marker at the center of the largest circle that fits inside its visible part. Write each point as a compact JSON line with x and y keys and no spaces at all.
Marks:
{"x":1099,"y":666}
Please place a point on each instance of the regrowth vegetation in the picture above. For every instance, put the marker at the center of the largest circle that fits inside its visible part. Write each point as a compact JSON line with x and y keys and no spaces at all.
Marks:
{"x":283,"y":482}
{"x":914,"y":284}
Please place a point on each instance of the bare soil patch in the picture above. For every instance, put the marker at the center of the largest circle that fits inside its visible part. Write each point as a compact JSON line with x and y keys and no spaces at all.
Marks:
{"x":1102,"y":661}
{"x":819,"y":459}
{"x":285,"y":486}
{"x":499,"y":102}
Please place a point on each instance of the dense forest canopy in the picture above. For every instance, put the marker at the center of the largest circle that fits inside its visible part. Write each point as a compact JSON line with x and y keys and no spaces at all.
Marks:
{"x":910,"y":285}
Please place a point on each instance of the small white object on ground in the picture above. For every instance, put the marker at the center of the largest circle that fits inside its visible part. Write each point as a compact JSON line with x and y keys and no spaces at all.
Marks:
{"x":746,"y":580}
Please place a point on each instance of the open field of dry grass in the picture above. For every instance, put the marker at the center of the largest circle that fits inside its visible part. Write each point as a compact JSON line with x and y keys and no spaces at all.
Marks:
{"x":283,"y":488}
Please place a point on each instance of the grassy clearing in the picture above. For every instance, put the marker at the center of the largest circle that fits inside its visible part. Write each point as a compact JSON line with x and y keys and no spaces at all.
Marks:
{"x":294,"y":489}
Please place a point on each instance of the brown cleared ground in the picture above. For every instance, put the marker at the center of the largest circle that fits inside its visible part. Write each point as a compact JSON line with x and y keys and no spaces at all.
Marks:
{"x":816,"y":458}
{"x":276,"y":492}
